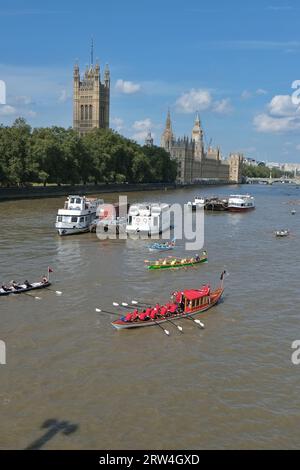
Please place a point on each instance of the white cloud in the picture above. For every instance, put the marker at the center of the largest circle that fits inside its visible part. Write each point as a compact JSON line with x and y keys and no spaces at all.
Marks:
{"x":194,"y":100}
{"x":64,"y":96}
{"x":282,"y":105}
{"x":26,"y":100}
{"x":143,"y":125}
{"x":246,"y":95}
{"x":117,"y":123}
{"x":261,"y":91}
{"x":141,"y":136}
{"x":282,"y":116}
{"x":7,"y":110}
{"x":269,"y":124}
{"x":31,"y":113}
{"x":127,"y":87}
{"x":223,"y":106}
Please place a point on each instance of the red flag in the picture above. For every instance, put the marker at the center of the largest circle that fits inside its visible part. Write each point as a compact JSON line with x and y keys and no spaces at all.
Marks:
{"x":50,"y":270}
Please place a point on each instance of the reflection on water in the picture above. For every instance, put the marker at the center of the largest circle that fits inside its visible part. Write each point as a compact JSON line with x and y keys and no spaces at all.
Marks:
{"x":65,"y":359}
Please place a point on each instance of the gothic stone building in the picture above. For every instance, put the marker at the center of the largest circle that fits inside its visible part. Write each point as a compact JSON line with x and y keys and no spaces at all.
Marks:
{"x":194,"y":163}
{"x":90,"y":99}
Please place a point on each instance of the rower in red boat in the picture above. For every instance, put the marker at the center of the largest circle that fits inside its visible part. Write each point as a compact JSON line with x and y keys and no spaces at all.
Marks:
{"x":135,"y":315}
{"x":128,"y":317}
{"x":153,"y":314}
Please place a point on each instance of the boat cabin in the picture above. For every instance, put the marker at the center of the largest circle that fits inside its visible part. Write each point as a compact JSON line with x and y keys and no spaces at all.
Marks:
{"x":196,"y":299}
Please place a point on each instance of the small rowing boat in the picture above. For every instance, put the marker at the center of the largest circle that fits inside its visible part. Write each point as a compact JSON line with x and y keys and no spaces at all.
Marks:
{"x":185,"y":304}
{"x":23,"y":288}
{"x":163,"y":246}
{"x":282,"y":233}
{"x":175,"y":263}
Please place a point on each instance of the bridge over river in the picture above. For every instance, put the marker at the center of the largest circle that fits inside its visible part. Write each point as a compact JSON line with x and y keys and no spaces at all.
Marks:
{"x":273,"y":180}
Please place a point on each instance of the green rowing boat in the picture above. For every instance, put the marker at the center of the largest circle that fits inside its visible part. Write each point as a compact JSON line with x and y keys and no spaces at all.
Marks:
{"x":177,"y":263}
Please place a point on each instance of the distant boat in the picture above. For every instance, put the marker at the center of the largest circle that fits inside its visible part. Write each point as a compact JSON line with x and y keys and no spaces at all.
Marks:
{"x":282,"y":233}
{"x":199,"y":202}
{"x":241,"y":203}
{"x":163,"y":246}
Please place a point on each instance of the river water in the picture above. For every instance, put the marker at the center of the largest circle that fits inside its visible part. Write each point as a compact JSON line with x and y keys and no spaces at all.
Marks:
{"x":232,"y":385}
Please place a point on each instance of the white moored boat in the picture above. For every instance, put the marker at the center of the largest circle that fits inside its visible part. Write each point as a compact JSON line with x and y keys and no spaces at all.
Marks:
{"x":148,"y":218}
{"x":199,"y":203}
{"x":77,"y":215}
{"x":241,"y":203}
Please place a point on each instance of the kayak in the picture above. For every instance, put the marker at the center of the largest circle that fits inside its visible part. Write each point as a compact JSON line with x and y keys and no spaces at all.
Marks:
{"x":177,"y":263}
{"x":23,"y":288}
{"x":193,"y":302}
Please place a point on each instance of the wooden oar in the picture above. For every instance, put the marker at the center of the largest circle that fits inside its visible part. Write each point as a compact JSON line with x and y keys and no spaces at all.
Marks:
{"x":32,"y":296}
{"x":99,"y":310}
{"x":57,"y":292}
{"x":198,"y":322}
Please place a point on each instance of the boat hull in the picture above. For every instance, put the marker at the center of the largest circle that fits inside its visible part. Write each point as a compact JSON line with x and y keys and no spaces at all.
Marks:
{"x":214,"y":299}
{"x":241,"y":209}
{"x":176,"y":266}
{"x":35,"y":286}
{"x":71,"y":231}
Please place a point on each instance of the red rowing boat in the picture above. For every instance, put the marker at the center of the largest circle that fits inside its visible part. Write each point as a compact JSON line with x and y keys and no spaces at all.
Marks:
{"x":188,"y":302}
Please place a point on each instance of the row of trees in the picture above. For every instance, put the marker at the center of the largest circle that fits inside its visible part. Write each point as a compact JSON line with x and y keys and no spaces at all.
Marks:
{"x":262,"y":171}
{"x":58,"y":155}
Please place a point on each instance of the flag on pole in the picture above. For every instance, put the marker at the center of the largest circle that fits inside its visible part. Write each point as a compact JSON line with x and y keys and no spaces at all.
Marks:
{"x":50,"y":270}
{"x":222,"y":275}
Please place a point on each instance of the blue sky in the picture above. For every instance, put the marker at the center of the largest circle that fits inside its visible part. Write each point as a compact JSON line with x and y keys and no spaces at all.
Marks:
{"x":234,"y":63}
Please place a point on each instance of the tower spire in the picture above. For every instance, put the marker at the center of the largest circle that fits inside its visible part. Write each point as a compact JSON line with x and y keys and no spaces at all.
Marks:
{"x":92,"y":52}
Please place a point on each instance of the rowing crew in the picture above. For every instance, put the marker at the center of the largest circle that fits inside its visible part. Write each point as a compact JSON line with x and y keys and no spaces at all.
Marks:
{"x":158,"y":312}
{"x":176,"y":261}
{"x":15,"y":286}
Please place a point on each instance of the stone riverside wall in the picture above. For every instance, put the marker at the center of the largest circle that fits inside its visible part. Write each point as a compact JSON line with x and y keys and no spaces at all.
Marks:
{"x":36,"y":192}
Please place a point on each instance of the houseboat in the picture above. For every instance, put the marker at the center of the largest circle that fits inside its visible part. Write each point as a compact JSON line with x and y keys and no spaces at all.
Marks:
{"x":77,"y":215}
{"x":148,"y":219}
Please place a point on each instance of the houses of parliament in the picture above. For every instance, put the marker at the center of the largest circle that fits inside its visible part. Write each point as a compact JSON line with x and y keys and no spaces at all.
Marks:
{"x":194,"y":163}
{"x":91,"y":98}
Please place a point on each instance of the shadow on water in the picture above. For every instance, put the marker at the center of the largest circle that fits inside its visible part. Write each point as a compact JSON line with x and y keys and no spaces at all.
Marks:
{"x":54,"y":427}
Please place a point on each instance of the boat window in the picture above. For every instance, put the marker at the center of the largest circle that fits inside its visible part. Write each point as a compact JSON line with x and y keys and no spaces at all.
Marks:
{"x":81,"y":219}
{"x":73,"y":219}
{"x":78,"y":201}
{"x":59,"y":218}
{"x":130,"y":219}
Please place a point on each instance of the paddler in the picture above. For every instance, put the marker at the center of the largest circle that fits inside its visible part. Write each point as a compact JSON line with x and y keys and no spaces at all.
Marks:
{"x":153,"y":314}
{"x":135,"y":315}
{"x":143,"y":316}
{"x":163,"y":311}
{"x":128,"y":317}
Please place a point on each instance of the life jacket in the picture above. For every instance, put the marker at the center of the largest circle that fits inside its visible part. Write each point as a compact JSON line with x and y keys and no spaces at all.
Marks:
{"x":135,"y":315}
{"x":173,"y":308}
{"x":153,"y":314}
{"x":143,"y":316}
{"x":163,"y":311}
{"x":128,"y":317}
{"x":148,"y":311}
